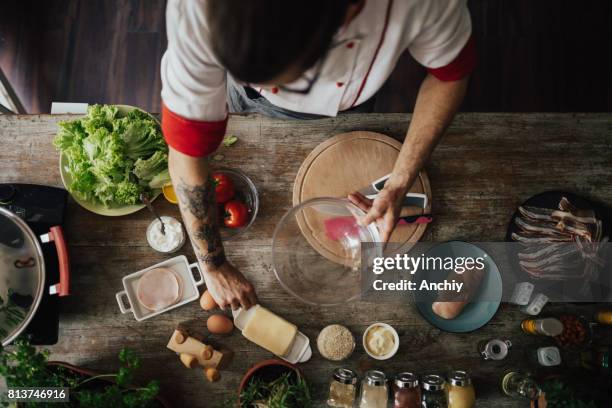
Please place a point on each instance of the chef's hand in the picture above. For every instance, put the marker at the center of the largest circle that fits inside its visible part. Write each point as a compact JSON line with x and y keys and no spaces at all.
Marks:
{"x":229,"y":287}
{"x":384,"y":210}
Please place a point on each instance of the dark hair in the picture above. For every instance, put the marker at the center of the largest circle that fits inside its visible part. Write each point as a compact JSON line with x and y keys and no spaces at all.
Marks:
{"x":257,"y":40}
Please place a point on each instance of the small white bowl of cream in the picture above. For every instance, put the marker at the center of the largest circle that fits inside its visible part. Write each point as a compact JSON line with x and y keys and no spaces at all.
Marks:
{"x":380,"y":341}
{"x":171,"y":240}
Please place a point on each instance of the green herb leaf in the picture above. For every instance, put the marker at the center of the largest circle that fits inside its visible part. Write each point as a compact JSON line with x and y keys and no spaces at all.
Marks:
{"x":229,"y":140}
{"x":22,"y":365}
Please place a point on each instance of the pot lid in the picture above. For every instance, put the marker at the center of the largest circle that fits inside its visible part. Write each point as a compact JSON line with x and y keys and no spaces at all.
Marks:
{"x":22,"y":275}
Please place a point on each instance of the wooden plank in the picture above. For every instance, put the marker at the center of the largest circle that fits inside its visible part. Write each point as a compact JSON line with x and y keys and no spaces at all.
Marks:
{"x":54,"y":51}
{"x":484,"y":167}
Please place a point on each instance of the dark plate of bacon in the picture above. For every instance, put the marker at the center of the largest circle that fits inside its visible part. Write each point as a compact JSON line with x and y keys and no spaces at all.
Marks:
{"x":561,"y":236}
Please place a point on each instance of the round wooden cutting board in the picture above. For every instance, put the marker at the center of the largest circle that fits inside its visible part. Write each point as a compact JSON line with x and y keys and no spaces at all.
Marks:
{"x":346,"y":163}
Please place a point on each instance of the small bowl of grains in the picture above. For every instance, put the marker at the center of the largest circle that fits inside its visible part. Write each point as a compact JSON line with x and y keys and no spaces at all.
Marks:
{"x":335,"y":342}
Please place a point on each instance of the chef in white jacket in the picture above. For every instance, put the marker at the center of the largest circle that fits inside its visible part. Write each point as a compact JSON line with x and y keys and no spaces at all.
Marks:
{"x":300,"y":59}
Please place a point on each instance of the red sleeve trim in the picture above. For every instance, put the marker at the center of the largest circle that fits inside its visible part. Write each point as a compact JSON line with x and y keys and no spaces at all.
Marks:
{"x":192,"y":137}
{"x":460,"y":67}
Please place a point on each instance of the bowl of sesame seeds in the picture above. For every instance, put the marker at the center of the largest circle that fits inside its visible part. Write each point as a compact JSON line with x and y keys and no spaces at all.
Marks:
{"x":335,"y":342}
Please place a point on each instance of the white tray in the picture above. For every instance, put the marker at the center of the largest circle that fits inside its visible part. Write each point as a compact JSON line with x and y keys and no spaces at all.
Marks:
{"x":300,"y":350}
{"x":181,"y":267}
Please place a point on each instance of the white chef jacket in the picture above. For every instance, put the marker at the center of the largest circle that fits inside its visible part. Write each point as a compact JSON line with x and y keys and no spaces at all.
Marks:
{"x":363,"y":55}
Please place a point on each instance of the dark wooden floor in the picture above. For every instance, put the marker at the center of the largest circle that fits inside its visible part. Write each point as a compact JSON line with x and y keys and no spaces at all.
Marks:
{"x":535,"y":55}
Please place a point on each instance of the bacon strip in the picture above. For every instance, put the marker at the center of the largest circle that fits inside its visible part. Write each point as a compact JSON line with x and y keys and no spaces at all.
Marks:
{"x":560,"y":244}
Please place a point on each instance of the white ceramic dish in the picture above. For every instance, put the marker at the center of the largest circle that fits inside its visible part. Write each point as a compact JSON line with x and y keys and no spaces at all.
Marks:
{"x":300,"y":350}
{"x":181,"y":267}
{"x":395,"y":338}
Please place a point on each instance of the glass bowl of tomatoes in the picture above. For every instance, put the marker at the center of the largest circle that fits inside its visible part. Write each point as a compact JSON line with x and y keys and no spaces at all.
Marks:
{"x":237,"y":200}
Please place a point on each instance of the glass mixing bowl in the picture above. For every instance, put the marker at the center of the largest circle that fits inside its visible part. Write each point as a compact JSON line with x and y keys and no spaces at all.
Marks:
{"x":316,"y":251}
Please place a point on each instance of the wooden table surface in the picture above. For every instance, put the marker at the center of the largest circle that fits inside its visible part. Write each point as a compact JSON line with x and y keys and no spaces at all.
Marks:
{"x":485,"y":166}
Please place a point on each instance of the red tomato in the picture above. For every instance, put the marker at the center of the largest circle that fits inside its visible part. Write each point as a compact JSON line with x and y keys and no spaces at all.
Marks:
{"x":236,"y":214}
{"x":224,"y":188}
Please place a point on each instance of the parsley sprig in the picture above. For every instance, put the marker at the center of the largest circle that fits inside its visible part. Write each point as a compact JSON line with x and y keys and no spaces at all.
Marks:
{"x":22,"y":365}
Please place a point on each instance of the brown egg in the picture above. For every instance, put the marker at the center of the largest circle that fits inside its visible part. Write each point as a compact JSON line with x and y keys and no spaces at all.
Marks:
{"x":219,"y":324}
{"x":212,"y":374}
{"x":207,"y":302}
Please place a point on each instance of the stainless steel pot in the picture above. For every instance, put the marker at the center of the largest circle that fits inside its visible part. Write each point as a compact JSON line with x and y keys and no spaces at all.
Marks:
{"x":22,"y":273}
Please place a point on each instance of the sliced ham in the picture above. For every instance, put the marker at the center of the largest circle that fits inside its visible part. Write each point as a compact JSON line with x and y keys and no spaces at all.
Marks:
{"x":159,"y":288}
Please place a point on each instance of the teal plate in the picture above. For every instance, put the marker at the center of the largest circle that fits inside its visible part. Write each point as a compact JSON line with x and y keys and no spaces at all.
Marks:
{"x":477,"y":313}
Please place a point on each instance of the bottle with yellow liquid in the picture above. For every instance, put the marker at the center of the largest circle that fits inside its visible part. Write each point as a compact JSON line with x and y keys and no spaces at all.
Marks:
{"x":460,"y":391}
{"x":604,"y":317}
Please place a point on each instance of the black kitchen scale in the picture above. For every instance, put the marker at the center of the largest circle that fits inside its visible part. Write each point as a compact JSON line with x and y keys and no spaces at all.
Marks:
{"x":41,"y":207}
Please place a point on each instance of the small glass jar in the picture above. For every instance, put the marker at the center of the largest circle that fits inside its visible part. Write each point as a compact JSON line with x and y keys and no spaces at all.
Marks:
{"x":374,"y":390}
{"x":406,"y":391}
{"x":460,"y":390}
{"x":520,"y":385}
{"x":342,"y":388}
{"x":434,"y":395}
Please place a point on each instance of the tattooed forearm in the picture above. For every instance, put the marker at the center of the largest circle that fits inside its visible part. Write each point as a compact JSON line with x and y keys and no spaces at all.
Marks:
{"x":211,"y":259}
{"x":199,"y":200}
{"x":199,"y":211}
{"x":208,"y":234}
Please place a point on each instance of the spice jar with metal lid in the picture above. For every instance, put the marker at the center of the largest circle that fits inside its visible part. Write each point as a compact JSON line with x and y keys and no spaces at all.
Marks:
{"x":434,"y":395}
{"x":460,"y":390}
{"x":406,"y":391}
{"x":342,"y":388}
{"x":374,"y":390}
{"x":547,"y":327}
